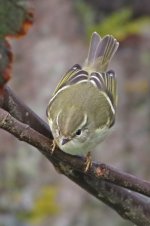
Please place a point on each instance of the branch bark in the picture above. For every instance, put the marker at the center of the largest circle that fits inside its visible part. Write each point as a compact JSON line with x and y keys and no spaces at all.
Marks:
{"x":20,"y":111}
{"x":102,"y":181}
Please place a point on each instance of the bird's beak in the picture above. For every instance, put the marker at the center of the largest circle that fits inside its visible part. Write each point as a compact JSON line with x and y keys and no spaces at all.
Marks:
{"x":64,"y":141}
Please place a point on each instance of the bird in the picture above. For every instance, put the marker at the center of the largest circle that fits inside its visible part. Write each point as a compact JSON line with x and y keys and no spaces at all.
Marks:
{"x":82,"y":109}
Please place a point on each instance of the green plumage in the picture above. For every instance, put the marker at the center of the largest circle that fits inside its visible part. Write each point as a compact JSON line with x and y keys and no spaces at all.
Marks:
{"x":74,"y":104}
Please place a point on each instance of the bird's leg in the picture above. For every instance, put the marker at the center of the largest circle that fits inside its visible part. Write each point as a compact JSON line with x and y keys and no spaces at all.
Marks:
{"x":53,"y":146}
{"x":88,"y":162}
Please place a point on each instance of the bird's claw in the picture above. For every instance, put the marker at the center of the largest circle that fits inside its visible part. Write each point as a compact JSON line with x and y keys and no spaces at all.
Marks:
{"x":88,"y":162}
{"x":53,"y":146}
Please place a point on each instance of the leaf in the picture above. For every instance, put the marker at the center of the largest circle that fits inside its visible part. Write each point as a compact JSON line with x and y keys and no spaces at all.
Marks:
{"x":6,"y":59}
{"x":15,"y":18}
{"x":120,"y":24}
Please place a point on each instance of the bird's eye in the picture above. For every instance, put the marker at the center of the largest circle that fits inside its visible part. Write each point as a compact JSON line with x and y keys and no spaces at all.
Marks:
{"x":78,"y":132}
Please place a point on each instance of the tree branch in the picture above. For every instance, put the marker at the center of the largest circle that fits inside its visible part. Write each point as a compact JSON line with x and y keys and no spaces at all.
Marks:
{"x":129,"y":205}
{"x":24,"y":114}
{"x":20,"y":111}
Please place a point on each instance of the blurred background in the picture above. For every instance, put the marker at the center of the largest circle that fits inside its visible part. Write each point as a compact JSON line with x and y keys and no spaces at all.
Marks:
{"x":31,"y":191}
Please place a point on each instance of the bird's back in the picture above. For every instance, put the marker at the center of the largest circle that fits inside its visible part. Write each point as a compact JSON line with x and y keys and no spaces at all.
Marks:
{"x":78,"y":96}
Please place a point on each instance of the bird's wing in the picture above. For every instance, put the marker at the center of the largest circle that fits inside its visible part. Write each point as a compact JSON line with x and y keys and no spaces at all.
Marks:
{"x":111,"y":85}
{"x":74,"y":75}
{"x":106,"y":82}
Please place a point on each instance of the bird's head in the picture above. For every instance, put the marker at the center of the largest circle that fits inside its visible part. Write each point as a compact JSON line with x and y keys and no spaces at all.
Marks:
{"x":70,"y":129}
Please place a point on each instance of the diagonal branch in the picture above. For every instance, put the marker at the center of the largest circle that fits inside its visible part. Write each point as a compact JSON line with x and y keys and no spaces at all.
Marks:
{"x":11,"y":103}
{"x":129,"y":205}
{"x":20,"y":111}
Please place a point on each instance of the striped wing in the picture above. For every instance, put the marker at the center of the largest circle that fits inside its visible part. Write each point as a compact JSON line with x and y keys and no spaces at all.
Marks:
{"x":74,"y":75}
{"x":107,"y":83}
{"x":111,"y":85}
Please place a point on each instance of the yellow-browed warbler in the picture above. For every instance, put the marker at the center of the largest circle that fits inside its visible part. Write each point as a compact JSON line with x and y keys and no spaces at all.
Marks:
{"x":83,"y":106}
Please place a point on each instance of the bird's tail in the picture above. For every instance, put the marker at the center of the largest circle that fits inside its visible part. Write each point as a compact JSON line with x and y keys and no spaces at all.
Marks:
{"x":100,"y":53}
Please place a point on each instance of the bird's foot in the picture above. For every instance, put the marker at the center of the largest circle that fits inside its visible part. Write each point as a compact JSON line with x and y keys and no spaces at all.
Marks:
{"x":88,"y":162}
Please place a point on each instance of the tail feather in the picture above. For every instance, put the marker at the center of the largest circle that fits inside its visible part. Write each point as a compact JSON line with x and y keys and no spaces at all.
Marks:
{"x":101,"y":52}
{"x":95,"y":40}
